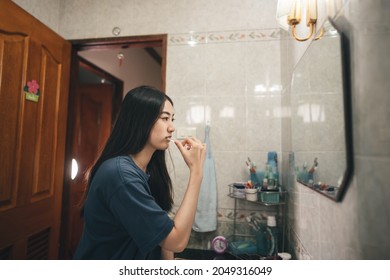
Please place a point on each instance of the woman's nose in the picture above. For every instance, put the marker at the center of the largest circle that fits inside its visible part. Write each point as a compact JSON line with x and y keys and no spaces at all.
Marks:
{"x":171,"y":128}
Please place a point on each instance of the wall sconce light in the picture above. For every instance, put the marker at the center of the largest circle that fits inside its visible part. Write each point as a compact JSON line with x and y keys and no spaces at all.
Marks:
{"x":289,"y":13}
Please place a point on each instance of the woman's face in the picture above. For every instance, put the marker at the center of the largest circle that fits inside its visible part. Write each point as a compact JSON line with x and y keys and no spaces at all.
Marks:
{"x":162,"y":130}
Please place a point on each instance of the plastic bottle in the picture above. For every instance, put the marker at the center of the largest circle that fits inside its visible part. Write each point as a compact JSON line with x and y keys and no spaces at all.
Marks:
{"x":272,"y":236}
{"x":272,"y":161}
{"x":254,"y":179}
{"x":265,"y":184}
{"x":271,"y":180}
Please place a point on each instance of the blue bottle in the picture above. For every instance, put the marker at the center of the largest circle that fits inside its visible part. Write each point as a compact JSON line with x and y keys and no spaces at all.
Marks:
{"x":272,"y":162}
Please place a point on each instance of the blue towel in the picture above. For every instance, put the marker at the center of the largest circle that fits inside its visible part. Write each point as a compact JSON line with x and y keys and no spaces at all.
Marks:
{"x":206,"y":211}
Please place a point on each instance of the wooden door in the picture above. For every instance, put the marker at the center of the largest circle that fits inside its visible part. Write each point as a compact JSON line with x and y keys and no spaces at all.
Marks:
{"x":92,"y":115}
{"x":32,"y":135}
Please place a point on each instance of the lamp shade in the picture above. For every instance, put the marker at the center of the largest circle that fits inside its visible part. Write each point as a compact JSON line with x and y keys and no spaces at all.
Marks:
{"x":283,"y":9}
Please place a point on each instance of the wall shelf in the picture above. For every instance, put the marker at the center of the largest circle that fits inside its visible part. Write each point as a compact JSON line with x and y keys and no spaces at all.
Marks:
{"x":279,"y":207}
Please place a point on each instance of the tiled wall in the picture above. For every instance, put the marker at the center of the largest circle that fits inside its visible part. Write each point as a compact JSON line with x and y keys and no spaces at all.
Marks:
{"x":357,"y":227}
{"x":229,"y":78}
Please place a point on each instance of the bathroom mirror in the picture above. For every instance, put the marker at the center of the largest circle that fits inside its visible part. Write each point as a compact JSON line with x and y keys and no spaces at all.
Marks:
{"x":321,"y":121}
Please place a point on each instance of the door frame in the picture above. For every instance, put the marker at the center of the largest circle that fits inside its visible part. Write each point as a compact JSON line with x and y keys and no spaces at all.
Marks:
{"x":147,"y":42}
{"x":144,"y":41}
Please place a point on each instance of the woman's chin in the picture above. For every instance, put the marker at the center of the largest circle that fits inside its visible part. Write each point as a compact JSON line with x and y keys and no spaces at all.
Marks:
{"x":163,"y":147}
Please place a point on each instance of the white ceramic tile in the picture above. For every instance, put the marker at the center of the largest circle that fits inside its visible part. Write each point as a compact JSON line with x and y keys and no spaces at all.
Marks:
{"x":225,"y":15}
{"x":78,"y":19}
{"x":260,"y":13}
{"x":189,"y":112}
{"x":262,"y":77}
{"x":150,"y":17}
{"x":374,"y":220}
{"x":187,"y":15}
{"x":225,"y":69}
{"x":264,"y":123}
{"x":185,"y":70}
{"x":227,"y":116}
{"x":372,"y":99}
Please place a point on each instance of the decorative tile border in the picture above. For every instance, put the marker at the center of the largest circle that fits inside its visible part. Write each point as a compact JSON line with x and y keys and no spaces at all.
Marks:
{"x":264,"y":35}
{"x":223,"y":36}
{"x":187,"y":38}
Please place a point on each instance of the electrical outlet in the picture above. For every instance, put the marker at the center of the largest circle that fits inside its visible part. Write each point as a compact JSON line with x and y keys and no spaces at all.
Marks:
{"x":183,"y":132}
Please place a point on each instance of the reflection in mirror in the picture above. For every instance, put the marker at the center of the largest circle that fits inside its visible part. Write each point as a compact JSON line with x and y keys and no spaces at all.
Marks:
{"x":319,"y":136}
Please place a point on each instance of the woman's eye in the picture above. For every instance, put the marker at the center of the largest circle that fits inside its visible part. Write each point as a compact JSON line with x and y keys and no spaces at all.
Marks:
{"x":167,"y":118}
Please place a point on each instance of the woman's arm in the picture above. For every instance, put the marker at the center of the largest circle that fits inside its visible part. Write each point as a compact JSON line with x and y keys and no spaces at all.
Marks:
{"x":193,"y":152}
{"x":166,"y":255}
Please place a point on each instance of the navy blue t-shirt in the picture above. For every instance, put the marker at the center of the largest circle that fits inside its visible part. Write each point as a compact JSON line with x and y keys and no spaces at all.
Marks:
{"x":121,"y":218}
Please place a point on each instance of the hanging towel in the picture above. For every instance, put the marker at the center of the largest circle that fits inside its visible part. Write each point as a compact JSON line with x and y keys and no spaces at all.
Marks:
{"x":206,"y":211}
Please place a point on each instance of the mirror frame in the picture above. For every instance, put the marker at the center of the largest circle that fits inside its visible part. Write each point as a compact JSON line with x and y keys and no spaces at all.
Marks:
{"x":342,"y":27}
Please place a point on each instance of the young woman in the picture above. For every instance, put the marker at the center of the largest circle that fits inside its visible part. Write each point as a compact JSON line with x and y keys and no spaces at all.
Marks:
{"x":129,"y":189}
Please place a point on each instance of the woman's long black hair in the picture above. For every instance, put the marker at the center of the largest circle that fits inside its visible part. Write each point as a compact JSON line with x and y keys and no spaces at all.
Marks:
{"x":139,"y":111}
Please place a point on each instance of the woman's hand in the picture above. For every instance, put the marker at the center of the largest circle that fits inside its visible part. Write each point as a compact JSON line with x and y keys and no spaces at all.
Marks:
{"x":193,"y":152}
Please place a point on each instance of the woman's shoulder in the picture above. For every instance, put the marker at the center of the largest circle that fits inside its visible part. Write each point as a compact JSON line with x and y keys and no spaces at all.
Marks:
{"x":116,"y":162}
{"x":111,"y":164}
{"x":126,"y":168}
{"x":119,"y":171}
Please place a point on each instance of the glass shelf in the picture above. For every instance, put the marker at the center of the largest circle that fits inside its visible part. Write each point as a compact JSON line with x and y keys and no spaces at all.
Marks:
{"x":258,"y":202}
{"x":267,"y":198}
{"x":264,"y":198}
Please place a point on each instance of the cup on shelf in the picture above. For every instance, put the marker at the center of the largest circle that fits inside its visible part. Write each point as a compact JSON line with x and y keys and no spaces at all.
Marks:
{"x":251,"y":194}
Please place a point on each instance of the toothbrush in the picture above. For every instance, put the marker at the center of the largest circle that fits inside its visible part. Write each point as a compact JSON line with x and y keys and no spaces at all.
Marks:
{"x":256,"y":220}
{"x":252,"y":223}
{"x":314,"y":167}
{"x":253,"y":227}
{"x":251,"y":165}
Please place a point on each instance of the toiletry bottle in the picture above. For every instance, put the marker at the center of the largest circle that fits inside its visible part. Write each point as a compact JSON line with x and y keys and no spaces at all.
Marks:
{"x":305,"y":174}
{"x":254,"y":179}
{"x":310,"y":178}
{"x":271,"y":180}
{"x":272,"y":177}
{"x":265,"y":184}
{"x":272,"y":237}
{"x":272,"y":161}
